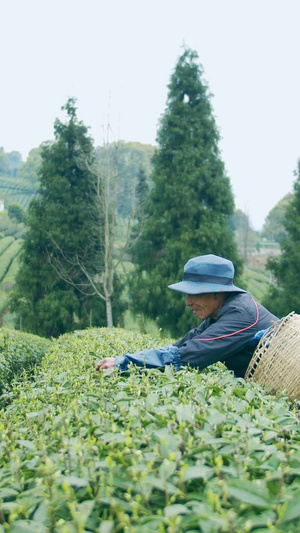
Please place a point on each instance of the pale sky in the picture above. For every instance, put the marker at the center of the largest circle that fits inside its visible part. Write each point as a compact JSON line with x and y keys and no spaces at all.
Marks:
{"x":116,"y":57}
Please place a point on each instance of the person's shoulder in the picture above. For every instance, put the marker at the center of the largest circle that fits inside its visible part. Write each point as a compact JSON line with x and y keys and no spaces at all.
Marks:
{"x":240,"y":301}
{"x":238,"y":298}
{"x":247,"y":304}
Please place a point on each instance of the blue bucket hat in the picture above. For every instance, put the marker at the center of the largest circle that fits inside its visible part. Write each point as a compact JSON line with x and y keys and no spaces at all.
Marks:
{"x":205,"y":274}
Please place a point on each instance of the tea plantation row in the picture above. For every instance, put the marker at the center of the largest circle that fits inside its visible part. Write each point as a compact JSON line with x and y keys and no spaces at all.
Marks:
{"x":19,"y":352}
{"x":151,"y":451}
{"x":9,"y":264}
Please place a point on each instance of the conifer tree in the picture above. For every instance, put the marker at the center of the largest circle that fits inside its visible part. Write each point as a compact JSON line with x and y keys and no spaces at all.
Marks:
{"x":141,"y":193}
{"x":284,"y":294}
{"x":190,"y":203}
{"x":60,"y":221}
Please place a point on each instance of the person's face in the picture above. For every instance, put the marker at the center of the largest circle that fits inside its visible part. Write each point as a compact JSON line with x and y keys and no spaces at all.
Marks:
{"x":205,"y":305}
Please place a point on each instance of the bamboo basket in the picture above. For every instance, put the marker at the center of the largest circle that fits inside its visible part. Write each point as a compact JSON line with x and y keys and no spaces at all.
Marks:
{"x":276,"y":361}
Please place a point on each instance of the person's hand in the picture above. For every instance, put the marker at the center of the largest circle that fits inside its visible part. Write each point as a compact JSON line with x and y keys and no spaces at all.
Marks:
{"x":106,"y":363}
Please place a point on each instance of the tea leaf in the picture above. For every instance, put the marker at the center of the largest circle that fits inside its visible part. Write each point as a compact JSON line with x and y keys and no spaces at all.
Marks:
{"x":249,"y":493}
{"x":175,"y":509}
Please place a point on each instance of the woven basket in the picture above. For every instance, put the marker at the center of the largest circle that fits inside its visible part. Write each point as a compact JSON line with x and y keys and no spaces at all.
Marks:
{"x":276,"y":360}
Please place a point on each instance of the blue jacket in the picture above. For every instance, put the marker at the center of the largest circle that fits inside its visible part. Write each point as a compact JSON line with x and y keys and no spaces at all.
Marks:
{"x":231,"y":338}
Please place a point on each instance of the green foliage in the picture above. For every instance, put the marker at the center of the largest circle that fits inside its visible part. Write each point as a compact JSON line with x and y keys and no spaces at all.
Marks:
{"x":190,"y":204}
{"x":152,"y":451}
{"x":28,"y":172}
{"x":11,"y":190}
{"x":10,"y":162}
{"x":284,"y":296}
{"x":142,"y":191}
{"x":274,"y":228}
{"x":19,"y":352}
{"x":16,"y":213}
{"x":49,"y":295}
{"x":131,"y":158}
{"x":9,"y":227}
{"x":15,"y":160}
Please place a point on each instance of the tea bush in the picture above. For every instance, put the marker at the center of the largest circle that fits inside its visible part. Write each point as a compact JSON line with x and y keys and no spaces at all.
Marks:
{"x":144,"y":452}
{"x":19,"y":352}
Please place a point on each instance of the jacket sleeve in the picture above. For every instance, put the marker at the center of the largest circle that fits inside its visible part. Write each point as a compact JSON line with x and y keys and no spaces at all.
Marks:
{"x":153,"y":358}
{"x":221,"y":339}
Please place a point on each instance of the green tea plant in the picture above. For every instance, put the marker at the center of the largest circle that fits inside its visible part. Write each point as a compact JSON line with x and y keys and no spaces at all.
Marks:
{"x":19,"y":352}
{"x":146,"y":451}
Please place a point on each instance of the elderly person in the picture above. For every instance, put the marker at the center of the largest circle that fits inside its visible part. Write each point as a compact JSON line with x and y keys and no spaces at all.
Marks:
{"x":232,"y":322}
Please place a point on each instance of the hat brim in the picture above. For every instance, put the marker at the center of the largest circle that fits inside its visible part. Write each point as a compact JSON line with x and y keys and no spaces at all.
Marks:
{"x":192,"y":287}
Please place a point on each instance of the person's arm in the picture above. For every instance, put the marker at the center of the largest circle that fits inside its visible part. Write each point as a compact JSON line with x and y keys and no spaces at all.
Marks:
{"x":150,"y":358}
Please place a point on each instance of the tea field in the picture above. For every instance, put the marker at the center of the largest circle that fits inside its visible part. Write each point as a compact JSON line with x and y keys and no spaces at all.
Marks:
{"x":14,"y":192}
{"x":258,"y":281}
{"x":143,"y":452}
{"x":9,"y":264}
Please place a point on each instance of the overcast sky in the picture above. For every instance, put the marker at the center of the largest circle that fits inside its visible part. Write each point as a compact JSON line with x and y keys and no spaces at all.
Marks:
{"x":116,"y":57}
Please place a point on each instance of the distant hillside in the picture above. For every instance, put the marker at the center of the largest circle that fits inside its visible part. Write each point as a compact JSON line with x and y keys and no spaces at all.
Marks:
{"x":11,"y":191}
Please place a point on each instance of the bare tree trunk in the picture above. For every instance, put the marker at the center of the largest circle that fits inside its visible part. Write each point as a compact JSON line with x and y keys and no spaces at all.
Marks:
{"x":108,"y":194}
{"x":109,"y":316}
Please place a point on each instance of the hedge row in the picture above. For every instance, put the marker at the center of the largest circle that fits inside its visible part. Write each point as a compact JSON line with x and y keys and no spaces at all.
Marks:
{"x":168,"y":452}
{"x":8,"y":256}
{"x":5,"y":242}
{"x":19,"y":352}
{"x":9,"y":278}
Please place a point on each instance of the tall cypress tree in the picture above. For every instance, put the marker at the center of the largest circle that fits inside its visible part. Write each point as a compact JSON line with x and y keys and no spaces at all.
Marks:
{"x":284,"y":295}
{"x":191,"y":201}
{"x":60,"y":225}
